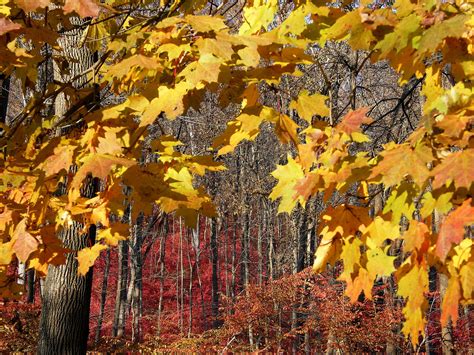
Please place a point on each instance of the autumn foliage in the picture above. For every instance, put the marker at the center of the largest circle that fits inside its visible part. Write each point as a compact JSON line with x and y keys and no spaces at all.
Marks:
{"x":159,"y":65}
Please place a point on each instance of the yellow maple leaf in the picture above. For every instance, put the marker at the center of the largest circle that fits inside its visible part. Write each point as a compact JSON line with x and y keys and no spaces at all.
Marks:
{"x":4,"y":8}
{"x":111,"y":142}
{"x":206,"y":70}
{"x":111,"y":236}
{"x":203,"y":23}
{"x":246,"y":126}
{"x":219,"y":48}
{"x":379,"y":263}
{"x":441,"y":202}
{"x":464,"y":252}
{"x":258,"y":14}
{"x":350,"y":255}
{"x":453,"y":27}
{"x":328,"y":250}
{"x":379,"y":230}
{"x":86,"y":257}
{"x":169,"y":101}
{"x":288,"y":176}
{"x":6,"y":253}
{"x":286,"y":130}
{"x":308,"y":105}
{"x":249,"y":56}
{"x":408,"y":276}
{"x":466,"y":275}
{"x":346,"y":220}
{"x":99,"y":165}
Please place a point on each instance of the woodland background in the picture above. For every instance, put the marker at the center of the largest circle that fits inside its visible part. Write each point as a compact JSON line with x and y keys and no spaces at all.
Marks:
{"x":242,"y":281}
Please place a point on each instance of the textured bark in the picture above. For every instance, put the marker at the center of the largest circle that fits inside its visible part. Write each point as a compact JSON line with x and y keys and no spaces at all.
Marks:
{"x":135,"y":287}
{"x":261,"y":230}
{"x":121,"y":293}
{"x":245,"y":245}
{"x":64,"y":325}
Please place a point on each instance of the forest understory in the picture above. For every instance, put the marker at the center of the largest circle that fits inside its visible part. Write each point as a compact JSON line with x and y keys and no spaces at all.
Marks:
{"x":280,"y":311}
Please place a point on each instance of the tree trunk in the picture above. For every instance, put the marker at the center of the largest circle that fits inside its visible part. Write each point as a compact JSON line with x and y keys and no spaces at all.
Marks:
{"x":64,"y":325}
{"x":135,"y":297}
{"x":103,"y":297}
{"x":245,"y":245}
{"x":162,"y":273}
{"x":233,"y":258}
{"x":226,"y":258}
{"x":302,"y":240}
{"x":190,"y":286}
{"x":245,"y":268}
{"x":4,"y":94}
{"x":215,"y":276}
{"x":271,"y":249}
{"x":261,"y":230}
{"x":121,"y":293}
{"x":30,"y":286}
{"x":180,"y":275}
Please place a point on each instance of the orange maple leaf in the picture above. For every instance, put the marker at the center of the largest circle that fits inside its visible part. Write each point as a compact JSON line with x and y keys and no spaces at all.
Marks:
{"x":400,"y":161}
{"x":84,"y":8}
{"x":7,"y":25}
{"x":352,"y":121}
{"x":450,"y":305}
{"x":456,"y":167}
{"x":452,"y":229}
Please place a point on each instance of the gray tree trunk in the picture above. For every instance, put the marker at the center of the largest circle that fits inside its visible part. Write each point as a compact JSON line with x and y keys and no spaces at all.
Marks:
{"x":64,"y":324}
{"x":136,"y":272}
{"x":121,"y":292}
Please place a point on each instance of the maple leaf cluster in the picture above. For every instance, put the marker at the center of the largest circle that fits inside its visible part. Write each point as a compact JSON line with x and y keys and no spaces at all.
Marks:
{"x":164,"y":65}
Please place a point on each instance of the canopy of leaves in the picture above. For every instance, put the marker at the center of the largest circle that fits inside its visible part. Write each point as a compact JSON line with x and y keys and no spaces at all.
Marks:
{"x":166,"y":63}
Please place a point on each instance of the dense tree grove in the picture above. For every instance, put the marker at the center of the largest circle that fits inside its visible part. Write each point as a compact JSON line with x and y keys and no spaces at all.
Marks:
{"x":236,"y":175}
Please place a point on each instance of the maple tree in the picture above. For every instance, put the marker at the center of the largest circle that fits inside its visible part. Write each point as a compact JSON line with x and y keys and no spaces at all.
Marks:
{"x":164,"y":63}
